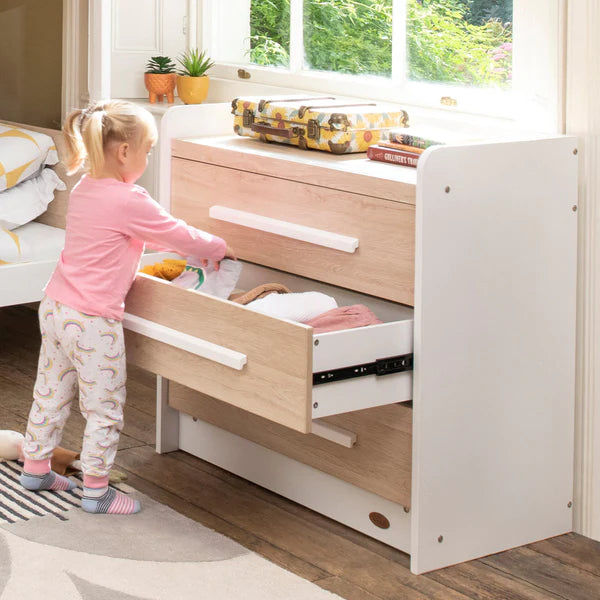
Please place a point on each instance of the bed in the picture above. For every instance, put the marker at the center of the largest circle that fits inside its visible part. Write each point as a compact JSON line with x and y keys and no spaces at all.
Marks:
{"x":22,"y":282}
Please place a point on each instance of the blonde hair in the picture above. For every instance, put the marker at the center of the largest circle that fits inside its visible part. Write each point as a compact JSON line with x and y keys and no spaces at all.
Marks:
{"x":88,"y":131}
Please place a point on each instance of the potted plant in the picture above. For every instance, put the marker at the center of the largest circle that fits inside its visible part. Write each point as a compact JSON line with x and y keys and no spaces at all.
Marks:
{"x":192,"y":81}
{"x":160,"y":78}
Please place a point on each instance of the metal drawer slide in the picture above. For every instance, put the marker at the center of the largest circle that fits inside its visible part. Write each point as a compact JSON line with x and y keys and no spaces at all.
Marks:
{"x":381,"y":366}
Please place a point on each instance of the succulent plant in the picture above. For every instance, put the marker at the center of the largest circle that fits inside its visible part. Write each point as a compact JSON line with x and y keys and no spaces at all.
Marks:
{"x":194,"y":63}
{"x":160,"y":65}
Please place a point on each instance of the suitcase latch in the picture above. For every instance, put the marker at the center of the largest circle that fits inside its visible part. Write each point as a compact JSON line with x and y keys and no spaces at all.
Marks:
{"x":380,"y":367}
{"x":313,"y":129}
{"x":338,"y":121}
{"x":248,"y":117}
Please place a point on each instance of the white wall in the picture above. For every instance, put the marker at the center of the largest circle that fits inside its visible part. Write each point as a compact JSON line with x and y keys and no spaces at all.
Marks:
{"x":583,"y":120}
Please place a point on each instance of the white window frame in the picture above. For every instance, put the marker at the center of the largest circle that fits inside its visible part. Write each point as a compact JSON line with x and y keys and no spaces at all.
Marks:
{"x":535,"y":102}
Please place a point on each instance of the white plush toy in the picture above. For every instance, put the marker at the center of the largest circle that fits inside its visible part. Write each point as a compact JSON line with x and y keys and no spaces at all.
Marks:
{"x":10,"y":444}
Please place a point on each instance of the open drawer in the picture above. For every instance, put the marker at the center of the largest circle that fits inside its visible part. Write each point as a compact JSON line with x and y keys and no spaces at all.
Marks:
{"x":263,"y":364}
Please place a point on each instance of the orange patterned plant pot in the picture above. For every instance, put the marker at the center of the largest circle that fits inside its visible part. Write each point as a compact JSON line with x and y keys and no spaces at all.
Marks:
{"x":192,"y":90}
{"x":159,"y":85}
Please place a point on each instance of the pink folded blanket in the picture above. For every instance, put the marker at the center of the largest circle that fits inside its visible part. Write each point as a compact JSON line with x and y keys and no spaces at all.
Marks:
{"x":343,"y":317}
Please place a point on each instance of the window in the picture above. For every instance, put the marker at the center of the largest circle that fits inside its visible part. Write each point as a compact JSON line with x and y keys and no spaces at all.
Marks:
{"x":491,"y":57}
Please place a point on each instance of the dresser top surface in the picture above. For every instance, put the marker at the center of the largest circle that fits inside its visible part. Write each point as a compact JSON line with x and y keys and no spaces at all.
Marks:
{"x":350,"y":172}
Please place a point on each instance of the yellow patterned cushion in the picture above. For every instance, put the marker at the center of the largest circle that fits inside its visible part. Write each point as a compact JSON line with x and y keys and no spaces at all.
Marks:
{"x":22,"y":154}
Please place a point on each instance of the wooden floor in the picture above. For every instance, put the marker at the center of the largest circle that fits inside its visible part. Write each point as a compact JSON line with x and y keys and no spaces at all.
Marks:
{"x":332,"y":556}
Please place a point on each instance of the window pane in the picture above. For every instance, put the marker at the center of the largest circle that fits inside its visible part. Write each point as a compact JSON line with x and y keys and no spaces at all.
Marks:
{"x":270,"y":32}
{"x":460,"y":41}
{"x":348,"y":36}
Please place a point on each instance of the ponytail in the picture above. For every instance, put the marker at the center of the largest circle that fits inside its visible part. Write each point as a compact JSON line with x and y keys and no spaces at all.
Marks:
{"x":94,"y":140}
{"x":89,"y":131}
{"x":75,"y":149}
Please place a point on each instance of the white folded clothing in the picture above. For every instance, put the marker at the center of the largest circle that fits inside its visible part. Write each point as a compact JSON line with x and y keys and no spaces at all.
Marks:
{"x":300,"y":307}
{"x":208,"y":281}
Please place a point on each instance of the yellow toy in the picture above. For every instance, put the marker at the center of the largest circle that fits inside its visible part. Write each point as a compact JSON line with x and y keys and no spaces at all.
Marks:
{"x":168,"y":269}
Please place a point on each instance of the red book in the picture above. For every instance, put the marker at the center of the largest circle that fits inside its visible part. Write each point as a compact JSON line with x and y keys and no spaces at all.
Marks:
{"x":391,"y":155}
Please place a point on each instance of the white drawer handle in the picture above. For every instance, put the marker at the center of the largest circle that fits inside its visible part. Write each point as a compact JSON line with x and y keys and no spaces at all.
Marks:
{"x":184,"y":341}
{"x":285,"y":229}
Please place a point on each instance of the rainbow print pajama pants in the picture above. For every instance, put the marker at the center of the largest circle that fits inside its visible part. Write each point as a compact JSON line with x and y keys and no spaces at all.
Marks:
{"x":81,"y":355}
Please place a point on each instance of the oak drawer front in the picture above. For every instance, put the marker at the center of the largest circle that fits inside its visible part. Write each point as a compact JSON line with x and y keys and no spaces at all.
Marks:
{"x":275,"y":385}
{"x":380,"y":462}
{"x":354,"y":241}
{"x":278,"y":369}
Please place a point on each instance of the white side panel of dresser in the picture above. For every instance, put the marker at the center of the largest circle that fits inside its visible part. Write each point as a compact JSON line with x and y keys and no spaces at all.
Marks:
{"x":494,"y":375}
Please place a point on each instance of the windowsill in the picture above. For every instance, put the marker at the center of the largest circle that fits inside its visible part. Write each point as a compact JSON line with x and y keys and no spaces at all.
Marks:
{"x":224,"y":90}
{"x":156,"y":108}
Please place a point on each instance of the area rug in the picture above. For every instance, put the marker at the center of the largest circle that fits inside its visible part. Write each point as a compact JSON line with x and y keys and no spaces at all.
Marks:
{"x":50,"y":549}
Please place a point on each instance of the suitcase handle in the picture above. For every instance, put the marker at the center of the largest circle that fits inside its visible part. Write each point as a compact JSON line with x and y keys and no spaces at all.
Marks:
{"x":264,"y":129}
{"x":263,"y":103}
{"x":304,"y":109}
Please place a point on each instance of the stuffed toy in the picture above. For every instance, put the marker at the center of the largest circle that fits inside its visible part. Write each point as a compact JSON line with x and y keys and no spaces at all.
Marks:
{"x":63,"y":462}
{"x":10,"y":445}
{"x":168,"y":269}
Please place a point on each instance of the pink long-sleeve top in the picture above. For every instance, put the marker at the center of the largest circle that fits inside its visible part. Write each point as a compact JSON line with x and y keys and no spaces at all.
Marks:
{"x":108,"y":224}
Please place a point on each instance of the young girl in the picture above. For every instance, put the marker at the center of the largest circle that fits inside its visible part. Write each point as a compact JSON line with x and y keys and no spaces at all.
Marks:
{"x":108,"y":221}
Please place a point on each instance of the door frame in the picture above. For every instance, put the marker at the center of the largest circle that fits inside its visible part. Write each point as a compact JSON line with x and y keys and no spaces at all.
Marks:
{"x":74,"y":56}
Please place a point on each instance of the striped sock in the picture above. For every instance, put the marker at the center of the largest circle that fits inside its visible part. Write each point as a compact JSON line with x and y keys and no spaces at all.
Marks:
{"x":108,"y":501}
{"x":46,"y":481}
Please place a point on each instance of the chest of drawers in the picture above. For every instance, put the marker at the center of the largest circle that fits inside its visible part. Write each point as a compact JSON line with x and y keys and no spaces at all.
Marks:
{"x":469,"y":261}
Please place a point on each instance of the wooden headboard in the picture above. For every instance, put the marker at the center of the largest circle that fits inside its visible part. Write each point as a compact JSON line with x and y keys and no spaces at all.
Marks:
{"x":56,"y":213}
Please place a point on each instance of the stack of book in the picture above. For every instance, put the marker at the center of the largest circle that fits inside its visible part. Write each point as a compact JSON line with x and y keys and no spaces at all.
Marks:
{"x":405,"y":146}
{"x":392,"y":152}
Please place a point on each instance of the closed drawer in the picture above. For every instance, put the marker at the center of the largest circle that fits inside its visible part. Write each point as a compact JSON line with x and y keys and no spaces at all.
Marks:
{"x":263,"y":364}
{"x":380,"y":461}
{"x":349,"y":240}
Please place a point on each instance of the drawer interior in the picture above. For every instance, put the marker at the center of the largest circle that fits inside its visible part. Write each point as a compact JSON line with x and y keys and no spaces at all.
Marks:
{"x":274,"y":377}
{"x":339,"y":350}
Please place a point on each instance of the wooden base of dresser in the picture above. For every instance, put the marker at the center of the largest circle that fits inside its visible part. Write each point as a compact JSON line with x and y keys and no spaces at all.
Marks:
{"x":380,"y":461}
{"x":301,"y":483}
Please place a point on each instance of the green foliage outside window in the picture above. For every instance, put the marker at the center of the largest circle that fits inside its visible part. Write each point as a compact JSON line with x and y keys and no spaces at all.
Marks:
{"x":270,"y":32}
{"x":481,"y":11}
{"x":444,"y":45}
{"x":452,"y":41}
{"x":348,"y":36}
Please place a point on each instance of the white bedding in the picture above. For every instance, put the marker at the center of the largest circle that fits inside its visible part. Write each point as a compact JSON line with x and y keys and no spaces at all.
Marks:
{"x":22,"y":203}
{"x":31,"y":242}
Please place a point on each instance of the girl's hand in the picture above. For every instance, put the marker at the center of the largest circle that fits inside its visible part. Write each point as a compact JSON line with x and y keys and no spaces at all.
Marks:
{"x":229,"y":253}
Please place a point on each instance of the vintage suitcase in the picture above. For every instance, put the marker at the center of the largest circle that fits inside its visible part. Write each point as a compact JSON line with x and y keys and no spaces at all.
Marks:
{"x":323,"y":123}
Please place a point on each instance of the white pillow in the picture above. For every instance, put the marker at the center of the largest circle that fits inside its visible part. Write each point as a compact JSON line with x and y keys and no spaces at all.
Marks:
{"x":29,"y":199}
{"x":22,"y":154}
{"x":34,"y":241}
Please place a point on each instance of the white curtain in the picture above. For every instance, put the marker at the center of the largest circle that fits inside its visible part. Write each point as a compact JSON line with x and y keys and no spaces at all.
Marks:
{"x":582,"y":118}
